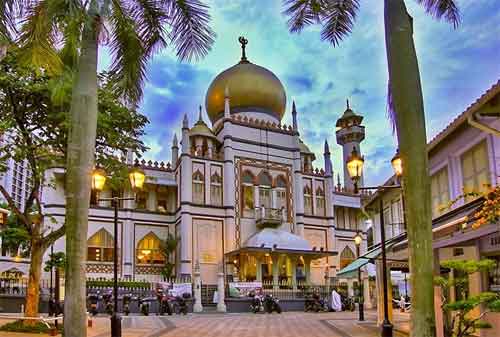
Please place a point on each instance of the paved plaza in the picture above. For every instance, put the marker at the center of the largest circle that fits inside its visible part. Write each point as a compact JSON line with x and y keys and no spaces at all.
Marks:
{"x":290,"y":324}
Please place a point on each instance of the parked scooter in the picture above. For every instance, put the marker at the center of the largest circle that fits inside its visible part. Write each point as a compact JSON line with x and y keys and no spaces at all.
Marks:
{"x":181,"y":304}
{"x":93,"y":300}
{"x":348,"y":304}
{"x":257,"y":303}
{"x":127,"y":298}
{"x":108,"y":302}
{"x":315,"y":303}
{"x":144,"y":305}
{"x":164,"y":302}
{"x":271,"y":304}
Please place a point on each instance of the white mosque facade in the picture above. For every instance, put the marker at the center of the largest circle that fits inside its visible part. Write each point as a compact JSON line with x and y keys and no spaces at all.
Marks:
{"x":242,"y":195}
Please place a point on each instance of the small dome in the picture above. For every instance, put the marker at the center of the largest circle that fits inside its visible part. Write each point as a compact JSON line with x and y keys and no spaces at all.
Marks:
{"x":201,"y":129}
{"x":349,"y":118}
{"x":268,"y":237}
{"x":305,"y":149}
{"x":252,"y":88}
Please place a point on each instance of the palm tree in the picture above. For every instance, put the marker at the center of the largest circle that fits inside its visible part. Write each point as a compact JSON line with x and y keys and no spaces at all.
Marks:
{"x":56,"y":34}
{"x":406,"y":110}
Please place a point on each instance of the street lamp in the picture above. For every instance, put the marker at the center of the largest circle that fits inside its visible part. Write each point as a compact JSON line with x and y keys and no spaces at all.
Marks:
{"x":137,"y":178}
{"x":357,"y":240}
{"x":355,"y":164}
{"x":355,"y":168}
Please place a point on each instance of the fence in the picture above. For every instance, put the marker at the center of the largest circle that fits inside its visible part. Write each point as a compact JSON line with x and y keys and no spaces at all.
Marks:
{"x":20,"y":286}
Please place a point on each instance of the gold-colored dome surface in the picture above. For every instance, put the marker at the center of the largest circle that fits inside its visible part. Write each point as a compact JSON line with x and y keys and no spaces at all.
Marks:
{"x":251,"y":88}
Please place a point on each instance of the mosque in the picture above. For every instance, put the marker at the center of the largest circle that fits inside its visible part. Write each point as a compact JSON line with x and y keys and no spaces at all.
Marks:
{"x":241,"y":193}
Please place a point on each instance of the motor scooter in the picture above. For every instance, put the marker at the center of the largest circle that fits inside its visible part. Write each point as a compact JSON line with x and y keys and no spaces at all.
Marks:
{"x":93,"y":299}
{"x":271,"y":304}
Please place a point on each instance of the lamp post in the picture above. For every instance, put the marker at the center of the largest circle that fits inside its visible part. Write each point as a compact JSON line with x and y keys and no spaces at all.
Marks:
{"x":355,"y":164}
{"x":357,"y":240}
{"x":137,"y":178}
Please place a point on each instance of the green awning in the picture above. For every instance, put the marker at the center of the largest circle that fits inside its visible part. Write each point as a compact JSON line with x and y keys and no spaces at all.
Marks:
{"x":349,"y":270}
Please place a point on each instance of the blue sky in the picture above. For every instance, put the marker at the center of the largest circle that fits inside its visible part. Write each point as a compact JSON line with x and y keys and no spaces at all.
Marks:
{"x":456,"y":67}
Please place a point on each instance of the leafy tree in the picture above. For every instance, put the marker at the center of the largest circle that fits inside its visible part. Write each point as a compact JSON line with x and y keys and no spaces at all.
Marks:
{"x":406,"y":110}
{"x":35,"y":130}
{"x":459,"y":319}
{"x":168,"y":247}
{"x":56,"y":260}
{"x":68,"y":32}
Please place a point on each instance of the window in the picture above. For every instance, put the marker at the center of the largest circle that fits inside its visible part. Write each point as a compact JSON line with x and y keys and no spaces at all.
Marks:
{"x":475,"y":170}
{"x":162,"y":200}
{"x":265,"y":182}
{"x":353,"y":218}
{"x":308,"y":207}
{"x":149,"y":250}
{"x":247,"y":190}
{"x":141,"y":199}
{"x":216,"y":186}
{"x":346,"y":257}
{"x":320,"y":201}
{"x":198,"y":183}
{"x":100,"y":247}
{"x":339,"y":217}
{"x":439,"y":191}
{"x":281,"y":202}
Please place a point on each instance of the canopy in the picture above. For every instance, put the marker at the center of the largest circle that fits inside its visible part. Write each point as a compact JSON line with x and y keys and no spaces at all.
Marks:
{"x":371,"y":255}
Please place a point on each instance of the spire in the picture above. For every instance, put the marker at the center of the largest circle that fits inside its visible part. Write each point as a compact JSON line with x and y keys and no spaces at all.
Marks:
{"x":175,"y":143}
{"x":327,"y":148}
{"x":347,"y":101}
{"x":294,"y":116}
{"x":200,"y":118}
{"x":227,"y":108}
{"x":185,"y":122}
{"x":338,"y":181}
{"x":243,"y":43}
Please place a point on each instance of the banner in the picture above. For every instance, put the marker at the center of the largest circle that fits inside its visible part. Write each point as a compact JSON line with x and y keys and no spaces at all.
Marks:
{"x":239,"y":289}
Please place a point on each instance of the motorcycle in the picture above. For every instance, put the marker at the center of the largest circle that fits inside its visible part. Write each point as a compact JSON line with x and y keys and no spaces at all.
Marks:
{"x":127,"y":298}
{"x":108,"y":303}
{"x":348,"y":304}
{"x":144,"y":306}
{"x":181,"y":304}
{"x":315,"y":303}
{"x":93,"y":302}
{"x":257,"y":304}
{"x":164,"y":303}
{"x":271,"y":304}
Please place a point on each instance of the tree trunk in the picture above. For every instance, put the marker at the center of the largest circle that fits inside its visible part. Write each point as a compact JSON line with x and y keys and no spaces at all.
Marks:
{"x":407,"y":102}
{"x":33,"y":291}
{"x":80,"y":162}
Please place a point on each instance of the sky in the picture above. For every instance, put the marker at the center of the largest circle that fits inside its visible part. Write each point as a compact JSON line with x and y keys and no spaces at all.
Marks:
{"x":456,"y":65}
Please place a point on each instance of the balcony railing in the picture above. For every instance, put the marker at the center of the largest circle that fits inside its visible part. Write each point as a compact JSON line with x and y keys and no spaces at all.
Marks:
{"x":268,"y":217}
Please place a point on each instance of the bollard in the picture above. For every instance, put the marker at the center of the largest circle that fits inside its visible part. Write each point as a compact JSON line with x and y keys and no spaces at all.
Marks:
{"x":89,"y":322}
{"x":53,"y":331}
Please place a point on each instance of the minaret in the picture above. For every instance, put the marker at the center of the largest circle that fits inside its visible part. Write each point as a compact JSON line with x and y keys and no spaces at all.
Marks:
{"x":350,"y":133}
{"x":327,"y":160}
{"x":294,"y":117}
{"x":175,"y":151}
{"x":185,"y":135}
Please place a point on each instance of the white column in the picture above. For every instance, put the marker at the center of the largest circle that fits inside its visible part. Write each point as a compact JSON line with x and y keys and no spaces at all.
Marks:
{"x":152,"y":199}
{"x":197,"y":307}
{"x":221,"y":304}
{"x":293,"y":263}
{"x":256,"y":196}
{"x":366,"y":293}
{"x":276,"y":265}
{"x":258,"y":273}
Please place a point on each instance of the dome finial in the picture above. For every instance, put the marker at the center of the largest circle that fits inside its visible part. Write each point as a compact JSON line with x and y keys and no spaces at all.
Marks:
{"x":200,"y":119}
{"x":243,"y":43}
{"x":347,"y":100}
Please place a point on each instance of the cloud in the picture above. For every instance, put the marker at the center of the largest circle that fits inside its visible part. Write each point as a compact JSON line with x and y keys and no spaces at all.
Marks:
{"x":456,"y":66}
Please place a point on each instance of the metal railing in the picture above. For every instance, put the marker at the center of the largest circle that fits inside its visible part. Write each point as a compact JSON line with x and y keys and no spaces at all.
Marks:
{"x":268,"y":216}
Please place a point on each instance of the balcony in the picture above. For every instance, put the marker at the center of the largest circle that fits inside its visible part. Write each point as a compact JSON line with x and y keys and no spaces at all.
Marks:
{"x":268,"y":217}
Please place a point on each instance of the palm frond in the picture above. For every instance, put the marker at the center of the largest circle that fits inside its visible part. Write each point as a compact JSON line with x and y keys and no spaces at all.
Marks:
{"x":151,"y":18}
{"x":129,"y":56}
{"x":338,"y":18}
{"x":439,"y":9}
{"x":10,"y":12}
{"x":301,"y":13}
{"x":190,"y":32}
{"x":38,"y":38}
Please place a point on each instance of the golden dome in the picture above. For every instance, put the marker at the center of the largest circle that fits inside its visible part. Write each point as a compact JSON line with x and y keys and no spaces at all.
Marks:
{"x":251,"y":88}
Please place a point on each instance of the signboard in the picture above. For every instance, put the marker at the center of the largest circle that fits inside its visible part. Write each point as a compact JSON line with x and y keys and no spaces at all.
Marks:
{"x":176,"y":289}
{"x":238,"y":289}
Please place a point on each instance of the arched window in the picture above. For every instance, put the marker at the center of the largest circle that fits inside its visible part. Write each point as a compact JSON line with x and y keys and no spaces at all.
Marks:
{"x":149,"y":250}
{"x":346,"y":257}
{"x":308,"y":207}
{"x":265,"y":183}
{"x":198,"y":185}
{"x":281,"y":201}
{"x":320,"y":201}
{"x":216,"y":187}
{"x":100,"y":247}
{"x":247,"y":190}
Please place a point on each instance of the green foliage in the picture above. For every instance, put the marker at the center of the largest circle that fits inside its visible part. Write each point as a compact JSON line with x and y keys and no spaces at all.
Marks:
{"x":14,"y":235}
{"x":56,"y":260}
{"x":19,"y":326}
{"x":168,"y":246}
{"x":122,"y":284}
{"x":459,"y":320}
